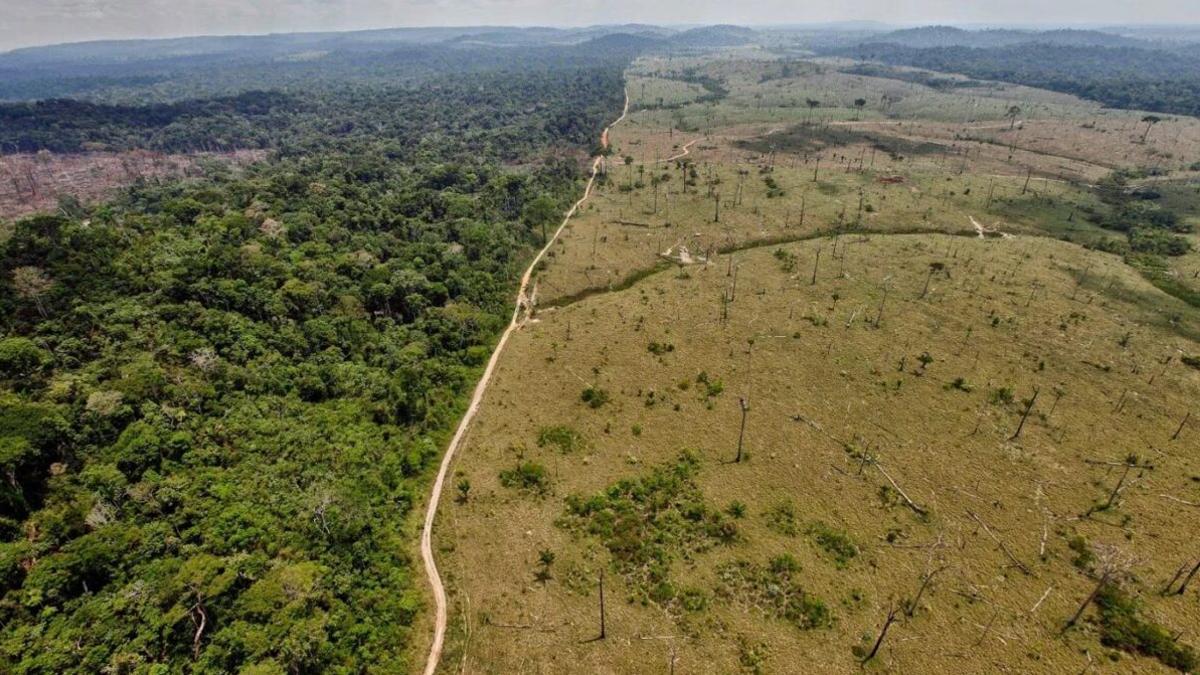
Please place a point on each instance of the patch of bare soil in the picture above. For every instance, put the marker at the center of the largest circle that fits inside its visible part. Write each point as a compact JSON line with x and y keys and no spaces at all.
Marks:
{"x":30,"y":183}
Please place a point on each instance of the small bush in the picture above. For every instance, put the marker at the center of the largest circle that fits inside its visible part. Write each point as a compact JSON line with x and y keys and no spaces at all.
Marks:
{"x":781,"y":518}
{"x":562,"y":437}
{"x":1084,"y":556}
{"x":1001,"y":396}
{"x":660,"y":348}
{"x":712,"y":387}
{"x":787,"y":260}
{"x":960,"y":384}
{"x":526,"y":476}
{"x":835,"y":542}
{"x":594,"y":397}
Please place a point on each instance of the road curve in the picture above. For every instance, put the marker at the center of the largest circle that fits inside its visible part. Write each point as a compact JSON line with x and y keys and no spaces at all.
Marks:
{"x":686,"y":151}
{"x":435,"y":580}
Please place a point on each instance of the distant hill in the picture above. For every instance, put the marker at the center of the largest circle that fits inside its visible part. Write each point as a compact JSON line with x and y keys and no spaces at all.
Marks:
{"x":927,"y":37}
{"x":216,"y":49}
{"x":623,"y":42}
{"x":561,"y":36}
{"x":123,"y":51}
{"x":1120,"y":77}
{"x":714,"y":36}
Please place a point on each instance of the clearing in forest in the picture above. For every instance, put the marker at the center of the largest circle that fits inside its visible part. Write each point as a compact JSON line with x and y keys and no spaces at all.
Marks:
{"x":860,"y":426}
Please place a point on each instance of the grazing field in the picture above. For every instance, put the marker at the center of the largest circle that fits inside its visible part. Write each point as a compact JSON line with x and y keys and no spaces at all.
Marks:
{"x":817,"y":385}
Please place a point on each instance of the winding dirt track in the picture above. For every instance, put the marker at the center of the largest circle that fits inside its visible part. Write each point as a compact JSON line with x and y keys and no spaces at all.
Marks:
{"x":520,"y":312}
{"x":686,"y":151}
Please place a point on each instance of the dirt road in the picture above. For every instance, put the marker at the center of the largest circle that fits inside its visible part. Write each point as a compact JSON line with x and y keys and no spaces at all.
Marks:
{"x":686,"y":151}
{"x":518,"y":318}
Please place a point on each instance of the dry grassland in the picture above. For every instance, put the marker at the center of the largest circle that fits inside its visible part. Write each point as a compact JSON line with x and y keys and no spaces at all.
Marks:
{"x":882,"y":374}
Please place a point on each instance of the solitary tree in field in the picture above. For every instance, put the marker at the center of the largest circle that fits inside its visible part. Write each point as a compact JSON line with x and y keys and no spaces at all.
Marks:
{"x":858,"y":105}
{"x":813,"y":104}
{"x":1150,"y":121}
{"x":1014,"y":111}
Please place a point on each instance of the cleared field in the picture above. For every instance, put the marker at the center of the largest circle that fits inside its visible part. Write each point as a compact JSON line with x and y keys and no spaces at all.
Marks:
{"x":825,"y":386}
{"x":945,"y":409}
{"x":32,"y":183}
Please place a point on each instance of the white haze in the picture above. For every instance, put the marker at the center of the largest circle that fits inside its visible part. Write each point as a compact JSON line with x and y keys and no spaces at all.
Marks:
{"x":32,"y":22}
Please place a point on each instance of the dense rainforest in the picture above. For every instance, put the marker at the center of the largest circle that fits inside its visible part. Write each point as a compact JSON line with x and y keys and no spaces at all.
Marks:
{"x":219,"y":396}
{"x":1118,"y":77}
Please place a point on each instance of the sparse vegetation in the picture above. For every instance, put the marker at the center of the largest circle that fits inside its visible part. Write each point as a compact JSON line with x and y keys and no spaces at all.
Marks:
{"x":527,"y":476}
{"x":648,"y":522}
{"x":864,"y":474}
{"x":560,"y":437}
{"x":1122,"y":627}
{"x":773,"y":589}
{"x":834,"y":542}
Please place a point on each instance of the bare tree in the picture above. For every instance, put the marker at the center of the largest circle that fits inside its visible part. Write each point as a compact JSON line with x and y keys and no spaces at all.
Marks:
{"x":1025,"y":415}
{"x":891,"y":618}
{"x":742,"y":433}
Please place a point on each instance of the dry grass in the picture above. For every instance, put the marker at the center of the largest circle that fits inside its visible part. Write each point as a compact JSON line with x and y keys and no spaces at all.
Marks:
{"x":815,"y":388}
{"x":842,"y":417}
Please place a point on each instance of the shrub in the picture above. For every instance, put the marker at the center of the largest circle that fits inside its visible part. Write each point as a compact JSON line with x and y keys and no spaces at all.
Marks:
{"x":647,"y":522}
{"x":781,"y":518}
{"x":959,"y":383}
{"x":712,"y":387}
{"x":773,"y":590}
{"x":660,"y":348}
{"x":1001,"y":396}
{"x":594,"y":397}
{"x":1122,"y":628}
{"x":787,"y":260}
{"x":562,"y":437}
{"x":835,"y":542}
{"x":526,"y":476}
{"x":1084,"y":556}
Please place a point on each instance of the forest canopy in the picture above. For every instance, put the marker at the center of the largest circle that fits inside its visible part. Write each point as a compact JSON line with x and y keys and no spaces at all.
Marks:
{"x":219,"y":397}
{"x":1118,"y":77}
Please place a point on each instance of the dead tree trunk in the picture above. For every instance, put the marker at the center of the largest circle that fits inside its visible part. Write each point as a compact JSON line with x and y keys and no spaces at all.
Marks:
{"x":1181,"y":425}
{"x":603,"y":632}
{"x":1086,"y":603}
{"x":891,"y":618}
{"x":742,"y":433}
{"x":1188,"y":579}
{"x":1025,"y":415}
{"x":882,"y":302}
{"x":912,"y":605}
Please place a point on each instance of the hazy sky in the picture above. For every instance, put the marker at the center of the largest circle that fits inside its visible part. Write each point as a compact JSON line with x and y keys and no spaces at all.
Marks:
{"x":28,"y":22}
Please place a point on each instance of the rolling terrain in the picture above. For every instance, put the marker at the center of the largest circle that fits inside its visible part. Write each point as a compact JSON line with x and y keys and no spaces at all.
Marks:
{"x":798,"y":372}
